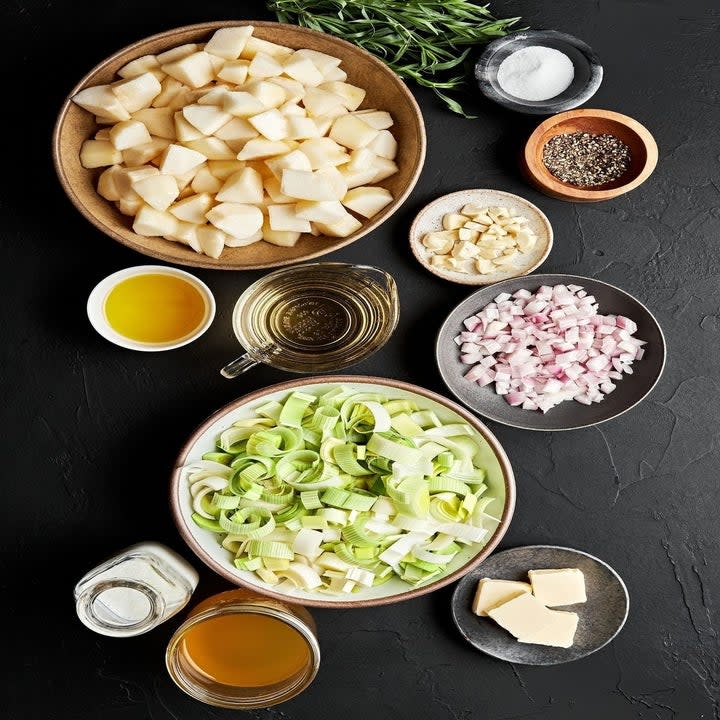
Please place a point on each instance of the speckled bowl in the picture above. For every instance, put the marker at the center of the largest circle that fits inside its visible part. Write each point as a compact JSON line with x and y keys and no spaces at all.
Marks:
{"x":600,"y":618}
{"x":588,"y":71}
{"x":429,"y":219}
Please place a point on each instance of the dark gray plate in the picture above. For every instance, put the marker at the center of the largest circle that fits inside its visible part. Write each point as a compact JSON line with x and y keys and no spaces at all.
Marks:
{"x":568,"y":415}
{"x":588,"y":71}
{"x":601,"y":617}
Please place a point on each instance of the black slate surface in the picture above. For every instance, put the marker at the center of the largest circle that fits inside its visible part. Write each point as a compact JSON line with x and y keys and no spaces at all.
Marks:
{"x":90,"y":430}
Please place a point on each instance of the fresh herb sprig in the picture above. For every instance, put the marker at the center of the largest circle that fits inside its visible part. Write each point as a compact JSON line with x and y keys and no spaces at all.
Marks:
{"x":427,"y":41}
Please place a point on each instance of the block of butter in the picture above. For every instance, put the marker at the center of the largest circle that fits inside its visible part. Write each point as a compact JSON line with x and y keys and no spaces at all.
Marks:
{"x":491,"y":593}
{"x":523,"y":616}
{"x":553,"y":588}
{"x":559,"y":632}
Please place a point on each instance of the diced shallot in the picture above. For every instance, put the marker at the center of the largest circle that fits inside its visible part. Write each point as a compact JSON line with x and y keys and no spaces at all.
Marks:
{"x":549,"y":346}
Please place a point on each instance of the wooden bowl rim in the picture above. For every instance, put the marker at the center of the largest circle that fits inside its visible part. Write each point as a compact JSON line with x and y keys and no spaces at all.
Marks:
{"x":201,"y":260}
{"x":546,"y":182}
{"x":473,"y":420}
{"x":475,"y":279}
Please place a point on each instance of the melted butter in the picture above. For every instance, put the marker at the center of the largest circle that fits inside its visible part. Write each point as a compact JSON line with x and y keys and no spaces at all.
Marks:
{"x":155,"y":308}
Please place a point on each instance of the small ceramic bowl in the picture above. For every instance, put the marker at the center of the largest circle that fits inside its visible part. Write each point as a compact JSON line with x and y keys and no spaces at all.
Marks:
{"x":643,"y":154}
{"x":429,"y":219}
{"x":600,"y":618}
{"x":586,"y":81}
{"x":98,"y":297}
{"x":568,"y":415}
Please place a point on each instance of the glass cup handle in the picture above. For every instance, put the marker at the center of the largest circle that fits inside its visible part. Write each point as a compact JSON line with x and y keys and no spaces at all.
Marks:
{"x":238,"y":366}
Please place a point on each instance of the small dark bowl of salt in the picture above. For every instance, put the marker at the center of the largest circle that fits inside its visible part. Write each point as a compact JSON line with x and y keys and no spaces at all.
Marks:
{"x":538,"y":72}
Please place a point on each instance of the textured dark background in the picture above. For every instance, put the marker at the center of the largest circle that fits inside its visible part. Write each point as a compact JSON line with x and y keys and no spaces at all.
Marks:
{"x":90,"y":431}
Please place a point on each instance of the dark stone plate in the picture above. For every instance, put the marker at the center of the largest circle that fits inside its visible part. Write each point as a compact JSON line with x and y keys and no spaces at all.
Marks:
{"x":567,"y":415}
{"x":601,"y":617}
{"x":588,"y":71}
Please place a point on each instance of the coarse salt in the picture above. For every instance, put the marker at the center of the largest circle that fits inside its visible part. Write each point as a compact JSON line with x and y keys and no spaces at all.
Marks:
{"x":536,"y":73}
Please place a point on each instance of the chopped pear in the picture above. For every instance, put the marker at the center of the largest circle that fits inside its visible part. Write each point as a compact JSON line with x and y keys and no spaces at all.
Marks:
{"x":238,"y":129}
{"x":352,"y":132}
{"x":205,"y":182}
{"x":325,"y":211}
{"x":183,"y":182}
{"x":141,"y":65}
{"x":351,"y":94}
{"x":272,"y":187}
{"x":160,"y":122}
{"x":210,"y":240}
{"x":379,"y":119}
{"x":154,"y":223}
{"x":177,"y":160}
{"x":321,"y":60}
{"x":361,"y":159}
{"x":335,"y":179}
{"x":283,"y":217}
{"x":229,"y":42}
{"x":340,"y":228}
{"x":244,"y":242}
{"x":214,"y":96}
{"x":262,"y":148}
{"x":192,"y":209}
{"x":125,"y":179}
{"x":158,"y":191}
{"x":291,"y":109}
{"x":302,"y":128}
{"x":99,"y":153}
{"x":255,"y":45}
{"x":101,"y":100}
{"x":323,"y":152}
{"x":236,"y":219}
{"x":223,"y":169}
{"x":206,"y":118}
{"x":367,"y":201}
{"x":356,"y":178}
{"x":272,"y":124}
{"x":212,"y":148}
{"x":384,"y":145}
{"x":130,"y":206}
{"x":234,"y":71}
{"x":320,"y":102}
{"x":264,"y":66}
{"x":107,"y":183}
{"x":177,"y":53}
{"x":103,"y":134}
{"x":295,"y":160}
{"x":145,"y":153}
{"x":128,"y":133}
{"x":303,"y":70}
{"x":306,"y":185}
{"x":270,"y":94}
{"x":294,"y":90}
{"x":242,"y":104}
{"x":335,"y":74}
{"x":283,"y":238}
{"x":193,"y":70}
{"x":138,"y":92}
{"x":244,"y":186}
{"x":184,"y":131}
{"x":185,"y":233}
{"x":384,"y":168}
{"x":171,"y":88}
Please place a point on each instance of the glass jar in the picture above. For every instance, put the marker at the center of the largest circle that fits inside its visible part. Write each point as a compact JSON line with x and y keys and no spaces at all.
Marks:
{"x":135,"y":590}
{"x":240,"y":650}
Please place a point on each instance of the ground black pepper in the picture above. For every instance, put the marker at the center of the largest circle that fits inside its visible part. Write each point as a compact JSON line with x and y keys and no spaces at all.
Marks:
{"x":586,"y":160}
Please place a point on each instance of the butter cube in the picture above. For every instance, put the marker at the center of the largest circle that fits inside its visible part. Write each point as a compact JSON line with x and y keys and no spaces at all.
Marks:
{"x":553,"y":588}
{"x":491,"y":593}
{"x":523,"y":616}
{"x":559,"y":632}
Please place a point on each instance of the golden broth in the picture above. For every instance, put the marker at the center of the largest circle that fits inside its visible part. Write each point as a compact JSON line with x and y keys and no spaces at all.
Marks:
{"x":246,"y":650}
{"x":155,"y":308}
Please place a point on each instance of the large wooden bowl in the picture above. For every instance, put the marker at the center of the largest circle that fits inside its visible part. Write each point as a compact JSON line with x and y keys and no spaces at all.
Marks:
{"x":385,"y":91}
{"x":643,"y":153}
{"x":205,"y":544}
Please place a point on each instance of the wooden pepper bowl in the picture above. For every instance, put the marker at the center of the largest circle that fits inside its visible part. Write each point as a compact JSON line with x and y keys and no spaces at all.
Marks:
{"x":385,"y":91}
{"x":643,"y":153}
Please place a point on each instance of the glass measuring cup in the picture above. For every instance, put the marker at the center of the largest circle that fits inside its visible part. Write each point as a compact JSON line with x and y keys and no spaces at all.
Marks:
{"x":314,"y":317}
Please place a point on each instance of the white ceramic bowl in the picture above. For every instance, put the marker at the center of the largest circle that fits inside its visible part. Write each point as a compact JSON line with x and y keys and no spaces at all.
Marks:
{"x":98,"y":318}
{"x":205,"y":545}
{"x":429,"y":219}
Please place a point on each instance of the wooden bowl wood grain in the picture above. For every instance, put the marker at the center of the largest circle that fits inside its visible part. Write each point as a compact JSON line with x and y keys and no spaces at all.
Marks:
{"x":643,"y":153}
{"x":385,"y":91}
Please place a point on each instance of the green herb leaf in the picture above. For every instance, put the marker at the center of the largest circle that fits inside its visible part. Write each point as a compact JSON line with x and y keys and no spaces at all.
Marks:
{"x":421,"y":40}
